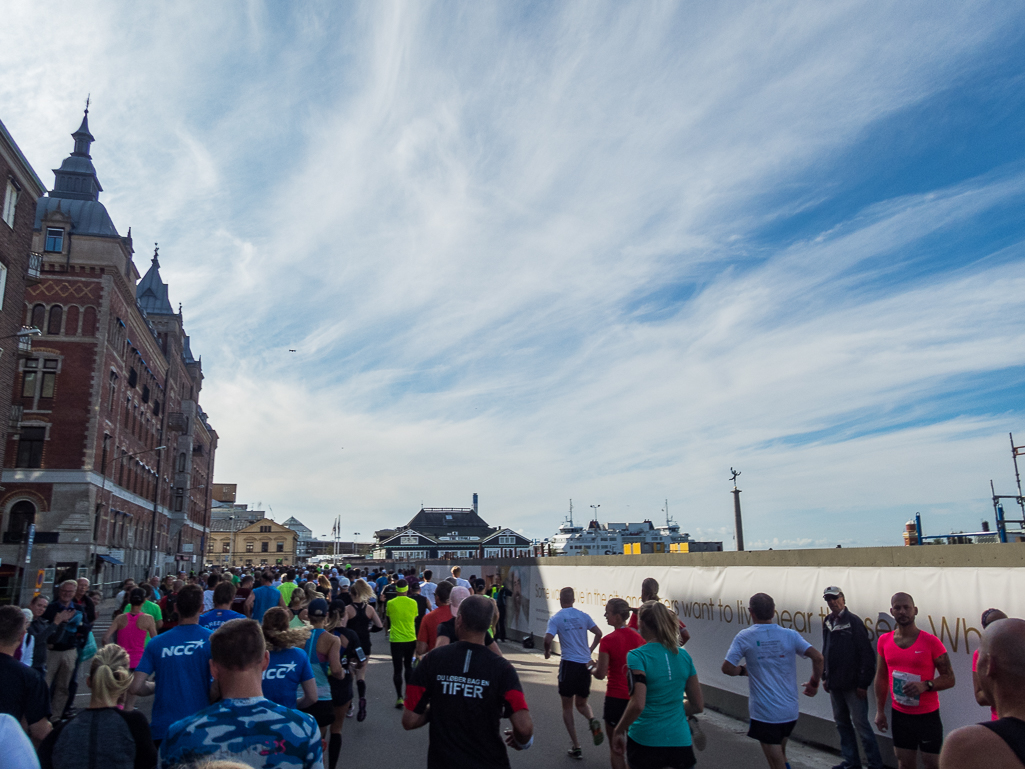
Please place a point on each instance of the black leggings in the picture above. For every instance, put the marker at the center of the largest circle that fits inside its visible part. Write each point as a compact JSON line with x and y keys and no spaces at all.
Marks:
{"x":402,"y":658}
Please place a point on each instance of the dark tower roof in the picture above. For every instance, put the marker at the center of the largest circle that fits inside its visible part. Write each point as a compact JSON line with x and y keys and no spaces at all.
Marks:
{"x":76,"y":190}
{"x":76,"y":178}
{"x":151,"y":293}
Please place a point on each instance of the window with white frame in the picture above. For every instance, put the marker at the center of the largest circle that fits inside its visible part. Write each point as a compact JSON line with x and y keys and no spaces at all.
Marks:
{"x":10,"y":203}
{"x":507,"y":540}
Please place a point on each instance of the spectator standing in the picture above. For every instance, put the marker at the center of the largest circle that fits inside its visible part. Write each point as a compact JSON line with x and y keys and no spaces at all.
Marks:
{"x":264,"y":597}
{"x":179,"y":661}
{"x":244,"y":726}
{"x":612,"y":651}
{"x":62,"y":656}
{"x":465,"y":717}
{"x":654,"y":730}
{"x":103,"y":735}
{"x":24,"y":693}
{"x":908,"y":659}
{"x":43,"y":630}
{"x":850,"y":667}
{"x":996,"y":744}
{"x":770,"y":653}
{"x":572,"y":626}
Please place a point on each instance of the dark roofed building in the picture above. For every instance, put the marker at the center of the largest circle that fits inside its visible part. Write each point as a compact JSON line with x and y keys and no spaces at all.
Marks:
{"x":449,"y":532}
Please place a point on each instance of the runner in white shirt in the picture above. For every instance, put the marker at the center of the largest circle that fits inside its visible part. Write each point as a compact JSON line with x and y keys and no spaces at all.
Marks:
{"x":427,"y":589}
{"x":460,"y":582}
{"x":572,"y":626}
{"x":771,"y":653}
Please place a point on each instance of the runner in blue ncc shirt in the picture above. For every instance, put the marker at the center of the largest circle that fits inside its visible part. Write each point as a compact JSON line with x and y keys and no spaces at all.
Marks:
{"x":245,"y":726}
{"x":180,"y":662}
{"x":224,"y":594}
{"x":289,"y":667}
{"x":264,"y":597}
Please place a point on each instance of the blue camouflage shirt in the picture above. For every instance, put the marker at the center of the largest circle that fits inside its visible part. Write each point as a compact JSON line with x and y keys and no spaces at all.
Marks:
{"x":253,"y":731}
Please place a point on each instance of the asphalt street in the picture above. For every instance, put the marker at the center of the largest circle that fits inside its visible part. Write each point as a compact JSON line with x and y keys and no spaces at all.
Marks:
{"x":381,"y":741}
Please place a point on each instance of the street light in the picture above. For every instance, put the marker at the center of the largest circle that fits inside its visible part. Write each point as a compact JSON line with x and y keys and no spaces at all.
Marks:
{"x":595,"y":508}
{"x":24,"y":337}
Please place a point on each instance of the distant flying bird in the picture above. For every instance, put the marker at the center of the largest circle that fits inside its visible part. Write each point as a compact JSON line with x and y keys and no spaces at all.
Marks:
{"x":291,"y":350}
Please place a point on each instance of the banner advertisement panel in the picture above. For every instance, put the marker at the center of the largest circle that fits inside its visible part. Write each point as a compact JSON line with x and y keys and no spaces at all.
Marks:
{"x":712,"y":602}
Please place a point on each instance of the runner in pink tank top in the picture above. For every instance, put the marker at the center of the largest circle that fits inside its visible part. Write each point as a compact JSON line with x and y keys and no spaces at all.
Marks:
{"x":132,"y":638}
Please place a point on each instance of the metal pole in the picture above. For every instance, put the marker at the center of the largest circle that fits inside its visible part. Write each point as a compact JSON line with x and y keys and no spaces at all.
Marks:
{"x":156,"y":501}
{"x":998,"y":513}
{"x":918,"y":528}
{"x":1017,"y":476}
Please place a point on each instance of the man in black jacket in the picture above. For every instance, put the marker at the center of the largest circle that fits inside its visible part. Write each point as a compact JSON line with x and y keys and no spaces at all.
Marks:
{"x":850,"y":668}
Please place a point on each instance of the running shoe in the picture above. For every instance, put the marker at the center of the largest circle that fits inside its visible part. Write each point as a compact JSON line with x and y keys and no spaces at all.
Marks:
{"x":596,"y":732}
{"x":576,"y":753}
{"x":352,"y":710}
{"x":361,"y":715}
{"x":399,"y":703}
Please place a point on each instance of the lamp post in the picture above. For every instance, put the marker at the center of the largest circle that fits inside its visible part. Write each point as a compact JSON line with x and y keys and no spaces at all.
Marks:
{"x":595,"y":513}
{"x":24,"y":337}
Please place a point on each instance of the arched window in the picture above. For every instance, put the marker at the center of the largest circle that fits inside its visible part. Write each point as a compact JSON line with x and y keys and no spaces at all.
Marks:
{"x":39,"y":316}
{"x":72,"y":324}
{"x":22,"y":514}
{"x":56,"y":318}
{"x":89,"y":322}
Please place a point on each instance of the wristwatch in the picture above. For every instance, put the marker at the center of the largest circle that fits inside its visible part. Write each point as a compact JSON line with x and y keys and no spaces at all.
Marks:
{"x":929,"y":685}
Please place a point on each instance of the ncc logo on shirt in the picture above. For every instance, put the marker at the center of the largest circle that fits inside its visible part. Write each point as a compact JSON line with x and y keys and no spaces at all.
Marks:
{"x":281,"y":671}
{"x":185,"y":649}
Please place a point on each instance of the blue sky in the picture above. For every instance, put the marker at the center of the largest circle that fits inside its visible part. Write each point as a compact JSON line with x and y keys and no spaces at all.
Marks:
{"x":554,"y":251}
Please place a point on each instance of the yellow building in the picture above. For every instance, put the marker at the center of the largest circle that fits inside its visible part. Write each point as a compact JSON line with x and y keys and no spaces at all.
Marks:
{"x":261,"y":543}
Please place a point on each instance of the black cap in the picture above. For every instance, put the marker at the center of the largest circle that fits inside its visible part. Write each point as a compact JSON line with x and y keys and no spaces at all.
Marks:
{"x":317,"y":608}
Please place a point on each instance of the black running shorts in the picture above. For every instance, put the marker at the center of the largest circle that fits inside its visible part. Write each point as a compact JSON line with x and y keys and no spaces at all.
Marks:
{"x":574,"y":679}
{"x":614,"y":709}
{"x":341,"y":690}
{"x":913,"y":731}
{"x":770,"y":734}
{"x":322,"y":711}
{"x":646,"y":757}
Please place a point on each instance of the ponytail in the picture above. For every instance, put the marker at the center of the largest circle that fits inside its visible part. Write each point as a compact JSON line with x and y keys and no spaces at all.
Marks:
{"x":110,"y":673}
{"x":663,"y":626}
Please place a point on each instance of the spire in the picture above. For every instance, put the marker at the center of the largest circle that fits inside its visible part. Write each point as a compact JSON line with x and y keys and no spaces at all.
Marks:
{"x":83,"y":139}
{"x":76,"y":178}
{"x":151,"y":292}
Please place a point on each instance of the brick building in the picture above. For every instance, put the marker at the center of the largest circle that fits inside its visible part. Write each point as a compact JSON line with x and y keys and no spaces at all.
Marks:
{"x":110,"y":382}
{"x":20,"y":187}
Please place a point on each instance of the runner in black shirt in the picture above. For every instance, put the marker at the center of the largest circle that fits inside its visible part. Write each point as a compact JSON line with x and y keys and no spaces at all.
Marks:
{"x":468,"y":690}
{"x":423,"y":605}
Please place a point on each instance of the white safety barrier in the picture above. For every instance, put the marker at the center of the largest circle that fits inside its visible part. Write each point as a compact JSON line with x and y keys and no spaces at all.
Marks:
{"x":712,"y":602}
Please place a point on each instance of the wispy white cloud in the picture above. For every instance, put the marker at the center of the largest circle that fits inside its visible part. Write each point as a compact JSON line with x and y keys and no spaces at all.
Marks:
{"x":519,"y":252}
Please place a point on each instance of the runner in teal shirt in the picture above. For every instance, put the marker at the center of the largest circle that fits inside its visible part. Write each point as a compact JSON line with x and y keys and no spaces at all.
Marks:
{"x":654,"y":730}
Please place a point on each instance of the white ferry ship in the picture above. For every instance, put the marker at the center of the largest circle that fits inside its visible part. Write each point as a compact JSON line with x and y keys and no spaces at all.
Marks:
{"x":623,"y":538}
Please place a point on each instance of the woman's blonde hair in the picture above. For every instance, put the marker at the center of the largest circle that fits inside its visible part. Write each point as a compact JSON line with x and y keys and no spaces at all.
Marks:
{"x":110,"y":674}
{"x":278,"y":634}
{"x":662,"y":624}
{"x":360,"y":590}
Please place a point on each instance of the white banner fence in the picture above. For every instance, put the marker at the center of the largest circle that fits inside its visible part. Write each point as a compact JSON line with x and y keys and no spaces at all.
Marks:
{"x":712,"y":602}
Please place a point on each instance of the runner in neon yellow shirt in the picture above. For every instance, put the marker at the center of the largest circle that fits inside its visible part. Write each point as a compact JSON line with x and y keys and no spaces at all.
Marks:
{"x":401,"y":614}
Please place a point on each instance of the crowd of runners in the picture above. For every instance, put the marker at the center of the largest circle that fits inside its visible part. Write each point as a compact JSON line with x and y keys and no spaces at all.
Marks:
{"x":264,"y":669}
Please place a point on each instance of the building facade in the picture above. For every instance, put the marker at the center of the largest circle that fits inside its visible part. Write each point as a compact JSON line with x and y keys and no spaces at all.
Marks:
{"x":109,"y":473}
{"x":446,"y":532}
{"x":260,"y":543}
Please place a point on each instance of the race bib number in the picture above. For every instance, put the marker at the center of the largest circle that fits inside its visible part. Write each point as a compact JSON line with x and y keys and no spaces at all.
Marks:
{"x":899,"y":695}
